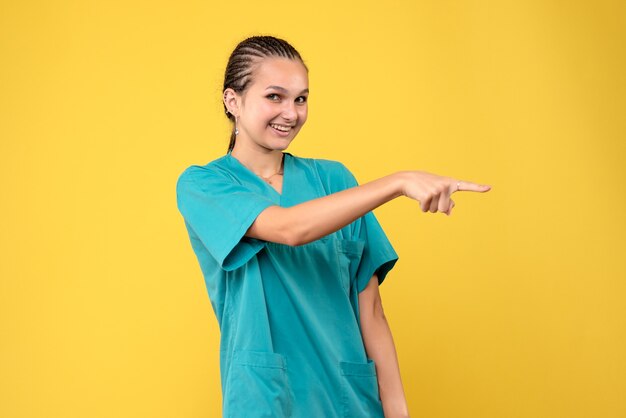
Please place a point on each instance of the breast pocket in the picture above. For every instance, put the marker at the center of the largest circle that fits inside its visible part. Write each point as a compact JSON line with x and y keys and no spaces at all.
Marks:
{"x":257,"y":386}
{"x":359,"y":390}
{"x":348,"y":256}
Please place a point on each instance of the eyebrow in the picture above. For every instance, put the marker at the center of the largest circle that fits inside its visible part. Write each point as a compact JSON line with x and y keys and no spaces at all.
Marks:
{"x":284,"y":89}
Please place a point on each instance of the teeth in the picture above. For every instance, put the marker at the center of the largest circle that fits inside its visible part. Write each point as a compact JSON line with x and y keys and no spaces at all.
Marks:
{"x":280,"y":127}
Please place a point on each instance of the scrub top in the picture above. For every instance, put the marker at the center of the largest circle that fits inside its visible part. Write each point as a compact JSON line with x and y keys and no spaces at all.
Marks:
{"x":290,"y":334}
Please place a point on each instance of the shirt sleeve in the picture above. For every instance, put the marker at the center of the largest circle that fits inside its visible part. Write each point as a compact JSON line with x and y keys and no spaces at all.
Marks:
{"x":218,"y":211}
{"x":378,"y":255}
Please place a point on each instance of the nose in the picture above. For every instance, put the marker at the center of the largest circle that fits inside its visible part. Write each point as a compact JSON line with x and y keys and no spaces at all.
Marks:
{"x":289,"y":111}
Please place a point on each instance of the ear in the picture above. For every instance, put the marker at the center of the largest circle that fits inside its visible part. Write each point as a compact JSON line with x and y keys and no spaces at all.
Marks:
{"x":232,"y":101}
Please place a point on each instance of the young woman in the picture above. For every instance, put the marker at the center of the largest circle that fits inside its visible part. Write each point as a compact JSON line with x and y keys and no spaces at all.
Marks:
{"x":292,"y":255}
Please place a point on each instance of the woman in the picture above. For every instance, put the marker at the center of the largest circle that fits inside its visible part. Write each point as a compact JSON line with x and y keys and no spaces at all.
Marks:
{"x":292,"y":255}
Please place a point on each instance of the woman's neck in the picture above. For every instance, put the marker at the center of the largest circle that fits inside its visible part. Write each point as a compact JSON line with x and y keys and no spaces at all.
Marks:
{"x":265,"y":163}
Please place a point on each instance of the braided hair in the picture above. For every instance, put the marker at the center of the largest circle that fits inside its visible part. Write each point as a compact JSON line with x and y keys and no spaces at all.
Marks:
{"x":245,"y":56}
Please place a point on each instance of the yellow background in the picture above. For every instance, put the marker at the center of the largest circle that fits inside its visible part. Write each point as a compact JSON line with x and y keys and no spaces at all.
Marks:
{"x":515,"y":306}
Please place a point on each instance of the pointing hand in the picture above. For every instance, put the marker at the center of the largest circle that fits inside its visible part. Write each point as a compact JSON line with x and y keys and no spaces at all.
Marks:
{"x":433,"y":191}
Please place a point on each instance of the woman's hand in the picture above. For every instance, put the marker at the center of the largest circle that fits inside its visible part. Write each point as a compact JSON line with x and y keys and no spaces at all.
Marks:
{"x":433,"y":191}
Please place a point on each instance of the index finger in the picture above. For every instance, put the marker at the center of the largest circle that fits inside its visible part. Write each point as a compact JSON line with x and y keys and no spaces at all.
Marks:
{"x":468,"y":186}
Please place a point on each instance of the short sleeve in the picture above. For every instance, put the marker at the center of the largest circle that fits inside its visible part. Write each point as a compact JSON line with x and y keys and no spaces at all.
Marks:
{"x":218,"y":212}
{"x":378,"y":255}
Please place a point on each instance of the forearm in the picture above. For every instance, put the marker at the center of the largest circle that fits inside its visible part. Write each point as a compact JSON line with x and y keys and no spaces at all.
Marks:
{"x":317,"y":218}
{"x":380,"y":347}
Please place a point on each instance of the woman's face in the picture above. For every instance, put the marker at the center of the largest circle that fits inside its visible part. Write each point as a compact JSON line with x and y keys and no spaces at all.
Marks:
{"x":274,"y":107}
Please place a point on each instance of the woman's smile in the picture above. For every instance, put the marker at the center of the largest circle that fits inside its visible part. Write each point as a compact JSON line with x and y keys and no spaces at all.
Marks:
{"x":281,"y":130}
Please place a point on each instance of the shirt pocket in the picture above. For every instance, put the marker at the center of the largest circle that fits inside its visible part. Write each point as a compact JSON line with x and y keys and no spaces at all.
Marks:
{"x":349,"y":254}
{"x":359,"y":390}
{"x":257,"y":386}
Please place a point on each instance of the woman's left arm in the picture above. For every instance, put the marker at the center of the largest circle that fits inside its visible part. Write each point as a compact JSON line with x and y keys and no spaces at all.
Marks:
{"x":380,"y":348}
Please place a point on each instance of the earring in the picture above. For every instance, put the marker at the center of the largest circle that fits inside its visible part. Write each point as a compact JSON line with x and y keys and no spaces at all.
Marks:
{"x":236,"y":130}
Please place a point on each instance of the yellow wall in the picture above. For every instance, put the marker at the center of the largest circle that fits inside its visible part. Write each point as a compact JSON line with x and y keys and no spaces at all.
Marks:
{"x":512,"y":307}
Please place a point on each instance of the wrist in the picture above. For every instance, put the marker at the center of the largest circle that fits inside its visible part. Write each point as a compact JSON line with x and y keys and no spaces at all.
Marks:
{"x":399,"y":181}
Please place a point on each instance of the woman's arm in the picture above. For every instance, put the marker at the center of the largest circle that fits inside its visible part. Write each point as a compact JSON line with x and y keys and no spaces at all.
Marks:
{"x":316,"y":218}
{"x":380,"y":348}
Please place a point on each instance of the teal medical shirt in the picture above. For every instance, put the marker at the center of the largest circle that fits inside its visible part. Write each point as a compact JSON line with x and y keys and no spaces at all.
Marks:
{"x":290,"y":343}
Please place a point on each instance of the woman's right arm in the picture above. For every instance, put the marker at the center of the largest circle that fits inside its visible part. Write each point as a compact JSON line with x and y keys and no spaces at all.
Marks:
{"x":316,"y":218}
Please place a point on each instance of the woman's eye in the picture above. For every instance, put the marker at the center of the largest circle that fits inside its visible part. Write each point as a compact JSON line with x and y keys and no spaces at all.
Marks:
{"x":272,"y":96}
{"x":301,"y":99}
